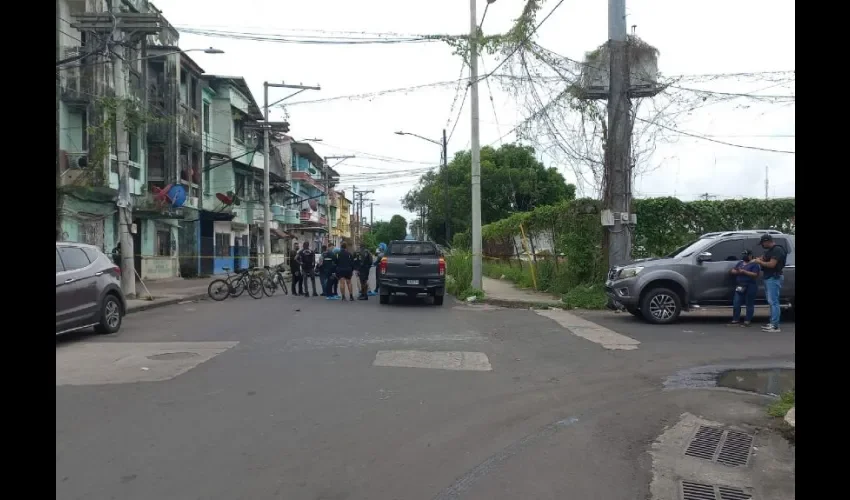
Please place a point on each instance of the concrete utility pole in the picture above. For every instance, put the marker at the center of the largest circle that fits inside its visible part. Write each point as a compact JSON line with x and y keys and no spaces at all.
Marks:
{"x":618,"y":154}
{"x":476,"y":148}
{"x":267,"y":219}
{"x":766,"y":181}
{"x":358,"y":204}
{"x":448,"y":218}
{"x":125,"y":214}
{"x":328,"y":185}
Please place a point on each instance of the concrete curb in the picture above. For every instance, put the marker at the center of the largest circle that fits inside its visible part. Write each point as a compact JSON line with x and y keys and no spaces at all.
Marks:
{"x":519,"y":304}
{"x":153,"y":304}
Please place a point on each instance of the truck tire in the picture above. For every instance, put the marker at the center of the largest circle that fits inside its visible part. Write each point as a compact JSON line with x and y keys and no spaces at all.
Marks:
{"x":634,"y":311}
{"x":661,"y":306}
{"x":438,"y":300}
{"x":384,"y":299}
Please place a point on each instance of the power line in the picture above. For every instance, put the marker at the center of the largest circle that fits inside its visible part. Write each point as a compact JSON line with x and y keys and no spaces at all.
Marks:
{"x":706,"y":138}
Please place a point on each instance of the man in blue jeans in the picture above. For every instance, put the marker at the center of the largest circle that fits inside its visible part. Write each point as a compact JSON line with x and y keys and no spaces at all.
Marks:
{"x":746,"y":271}
{"x":772,"y":263}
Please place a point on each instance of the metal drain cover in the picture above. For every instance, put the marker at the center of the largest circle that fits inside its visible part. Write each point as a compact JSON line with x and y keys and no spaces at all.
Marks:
{"x":730,"y":448}
{"x":173,"y":356}
{"x":700,"y":491}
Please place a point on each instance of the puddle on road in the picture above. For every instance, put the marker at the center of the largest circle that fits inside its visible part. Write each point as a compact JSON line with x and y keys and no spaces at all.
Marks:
{"x":774,"y":381}
{"x":173,"y":356}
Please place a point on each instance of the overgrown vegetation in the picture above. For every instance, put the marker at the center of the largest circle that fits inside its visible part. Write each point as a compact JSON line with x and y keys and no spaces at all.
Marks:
{"x":781,"y":407}
{"x":459,"y":275}
{"x":574,"y":267}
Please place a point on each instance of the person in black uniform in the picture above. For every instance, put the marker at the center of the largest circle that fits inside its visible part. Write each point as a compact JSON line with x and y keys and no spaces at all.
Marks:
{"x":365,"y":267}
{"x":295,"y":269}
{"x":307,"y":259}
{"x":326,"y":269}
{"x":344,"y":271}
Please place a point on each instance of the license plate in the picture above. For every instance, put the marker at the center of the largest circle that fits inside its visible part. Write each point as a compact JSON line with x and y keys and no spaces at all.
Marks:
{"x":412,"y":282}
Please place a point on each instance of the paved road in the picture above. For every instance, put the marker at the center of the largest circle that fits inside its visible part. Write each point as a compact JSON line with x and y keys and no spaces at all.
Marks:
{"x":279,"y":399}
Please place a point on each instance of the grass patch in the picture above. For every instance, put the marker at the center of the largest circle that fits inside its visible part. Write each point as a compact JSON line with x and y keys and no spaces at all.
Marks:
{"x":459,"y":274}
{"x":586,"y":297}
{"x":781,"y":407}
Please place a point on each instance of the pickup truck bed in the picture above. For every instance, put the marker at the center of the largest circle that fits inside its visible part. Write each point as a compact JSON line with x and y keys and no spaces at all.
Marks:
{"x":412,"y":268}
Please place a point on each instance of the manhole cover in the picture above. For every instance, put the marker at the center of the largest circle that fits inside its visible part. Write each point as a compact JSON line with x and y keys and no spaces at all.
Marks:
{"x":730,"y":448}
{"x":172,"y":356}
{"x":699,"y":491}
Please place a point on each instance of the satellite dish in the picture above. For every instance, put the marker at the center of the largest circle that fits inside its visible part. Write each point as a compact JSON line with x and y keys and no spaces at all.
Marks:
{"x":177,"y":196}
{"x":225,"y":199}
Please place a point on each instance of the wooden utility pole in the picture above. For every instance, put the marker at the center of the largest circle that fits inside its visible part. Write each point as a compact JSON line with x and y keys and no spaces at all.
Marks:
{"x":618,"y":151}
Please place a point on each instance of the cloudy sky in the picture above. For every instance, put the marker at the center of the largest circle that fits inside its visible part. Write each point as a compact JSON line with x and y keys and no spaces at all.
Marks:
{"x":694,"y":38}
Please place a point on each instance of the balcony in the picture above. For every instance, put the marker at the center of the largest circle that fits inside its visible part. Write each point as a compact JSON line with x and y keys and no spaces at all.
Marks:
{"x":77,"y":83}
{"x":189,"y":124}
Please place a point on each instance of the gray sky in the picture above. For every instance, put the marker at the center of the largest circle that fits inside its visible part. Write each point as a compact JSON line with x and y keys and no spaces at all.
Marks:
{"x":723,"y":36}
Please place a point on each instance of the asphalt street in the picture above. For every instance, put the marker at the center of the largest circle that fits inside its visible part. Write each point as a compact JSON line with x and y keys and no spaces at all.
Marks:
{"x":281,"y":398}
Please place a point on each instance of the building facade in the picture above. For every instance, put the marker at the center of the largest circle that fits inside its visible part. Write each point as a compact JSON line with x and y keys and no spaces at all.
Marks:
{"x":341,"y":229}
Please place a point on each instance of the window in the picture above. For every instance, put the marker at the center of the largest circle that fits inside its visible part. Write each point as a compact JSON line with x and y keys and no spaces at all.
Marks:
{"x":728,"y":250}
{"x":59,"y":266}
{"x":73,"y":258}
{"x":163,"y":242}
{"x":206,"y":118}
{"x":240,"y":185}
{"x":413,"y":249}
{"x":207,"y":176}
{"x":133,"y":142}
{"x":222,"y":244}
{"x":238,"y":130}
{"x":91,"y":253}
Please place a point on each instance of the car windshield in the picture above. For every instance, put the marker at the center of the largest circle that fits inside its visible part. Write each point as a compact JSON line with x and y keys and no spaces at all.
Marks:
{"x":689,"y":249}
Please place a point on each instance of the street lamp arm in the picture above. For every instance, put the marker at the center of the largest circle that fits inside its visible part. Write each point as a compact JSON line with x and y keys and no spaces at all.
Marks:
{"x":438,"y":143}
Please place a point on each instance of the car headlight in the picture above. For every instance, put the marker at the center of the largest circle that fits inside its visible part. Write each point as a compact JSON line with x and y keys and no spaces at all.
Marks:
{"x":630,"y":272}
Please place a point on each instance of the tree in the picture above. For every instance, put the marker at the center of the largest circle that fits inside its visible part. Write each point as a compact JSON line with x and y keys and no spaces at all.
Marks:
{"x":512,"y":180}
{"x":384,"y":232}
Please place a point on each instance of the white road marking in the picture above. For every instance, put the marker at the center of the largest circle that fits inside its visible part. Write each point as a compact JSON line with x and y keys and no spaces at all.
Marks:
{"x":91,"y":363}
{"x":589,"y":330}
{"x":440,"y":360}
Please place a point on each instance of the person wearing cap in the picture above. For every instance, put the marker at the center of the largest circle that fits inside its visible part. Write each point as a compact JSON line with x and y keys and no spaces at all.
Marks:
{"x":745,"y":271}
{"x":772,"y":264}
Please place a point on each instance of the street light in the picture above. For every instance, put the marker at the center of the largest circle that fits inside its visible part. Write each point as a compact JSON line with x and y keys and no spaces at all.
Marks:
{"x":444,"y":145}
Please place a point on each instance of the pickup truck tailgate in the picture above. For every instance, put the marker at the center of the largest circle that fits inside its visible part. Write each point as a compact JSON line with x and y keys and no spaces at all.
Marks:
{"x":413,"y":264}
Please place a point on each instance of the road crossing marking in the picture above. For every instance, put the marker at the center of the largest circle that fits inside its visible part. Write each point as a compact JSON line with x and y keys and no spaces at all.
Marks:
{"x":589,"y":330}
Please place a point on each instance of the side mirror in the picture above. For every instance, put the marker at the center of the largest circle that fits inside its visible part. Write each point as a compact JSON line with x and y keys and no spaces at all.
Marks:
{"x":704,"y":257}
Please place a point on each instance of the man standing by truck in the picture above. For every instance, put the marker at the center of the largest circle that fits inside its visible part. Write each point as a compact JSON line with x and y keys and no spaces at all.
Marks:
{"x":772,"y":264}
{"x":307,"y":259}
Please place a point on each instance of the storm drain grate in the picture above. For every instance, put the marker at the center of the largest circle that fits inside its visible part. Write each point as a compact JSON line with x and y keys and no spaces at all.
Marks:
{"x":735,"y":451}
{"x":728,"y":493}
{"x":730,"y":448}
{"x":705,"y":442}
{"x":699,"y":491}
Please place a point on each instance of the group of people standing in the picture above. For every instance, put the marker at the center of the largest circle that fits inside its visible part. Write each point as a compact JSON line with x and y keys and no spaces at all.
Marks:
{"x":336,"y":267}
{"x":747,"y":271}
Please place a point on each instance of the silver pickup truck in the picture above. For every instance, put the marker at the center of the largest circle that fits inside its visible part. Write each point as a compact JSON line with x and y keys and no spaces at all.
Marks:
{"x":695,"y":276}
{"x":412,"y":268}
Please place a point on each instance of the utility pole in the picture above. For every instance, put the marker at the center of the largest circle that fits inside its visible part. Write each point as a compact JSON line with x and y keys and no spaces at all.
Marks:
{"x":707,"y":196}
{"x":284,"y":127}
{"x":766,"y":181}
{"x":358,"y":204}
{"x":448,"y":217}
{"x":618,"y":156}
{"x":371,"y":213}
{"x":125,"y":215}
{"x":58,"y":169}
{"x":328,"y":185}
{"x":476,"y":148}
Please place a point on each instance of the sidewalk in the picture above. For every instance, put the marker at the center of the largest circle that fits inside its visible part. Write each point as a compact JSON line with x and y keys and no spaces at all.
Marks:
{"x":166,"y":292}
{"x":504,"y":293}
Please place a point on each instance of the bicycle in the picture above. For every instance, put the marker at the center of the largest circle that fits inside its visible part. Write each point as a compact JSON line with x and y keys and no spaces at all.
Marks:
{"x":233,"y":285}
{"x":271,"y":280}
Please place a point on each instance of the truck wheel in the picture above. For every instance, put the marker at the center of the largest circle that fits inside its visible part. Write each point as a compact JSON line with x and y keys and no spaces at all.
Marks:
{"x":438,"y":300}
{"x":384,"y":299}
{"x":661,"y":306}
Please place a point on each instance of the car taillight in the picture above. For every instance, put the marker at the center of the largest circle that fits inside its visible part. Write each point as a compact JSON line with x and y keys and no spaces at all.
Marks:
{"x":441,"y":266}
{"x":383,"y":266}
{"x":117,"y":270}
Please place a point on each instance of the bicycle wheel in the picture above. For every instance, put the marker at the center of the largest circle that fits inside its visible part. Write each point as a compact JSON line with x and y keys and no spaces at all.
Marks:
{"x":218,"y":290}
{"x":268,"y":285}
{"x":237,"y":286}
{"x":281,"y":283}
{"x":255,"y":288}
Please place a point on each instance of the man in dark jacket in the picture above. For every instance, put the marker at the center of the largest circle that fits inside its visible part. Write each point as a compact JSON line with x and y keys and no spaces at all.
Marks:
{"x":326,"y":268}
{"x":365,"y":266}
{"x":295,"y":269}
{"x":772,"y":264}
{"x":307,"y":259}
